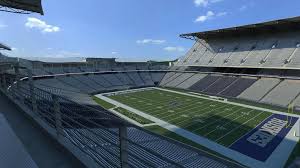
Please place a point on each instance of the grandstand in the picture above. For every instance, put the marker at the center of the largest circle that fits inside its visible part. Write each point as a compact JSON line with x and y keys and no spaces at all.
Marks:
{"x":226,"y":103}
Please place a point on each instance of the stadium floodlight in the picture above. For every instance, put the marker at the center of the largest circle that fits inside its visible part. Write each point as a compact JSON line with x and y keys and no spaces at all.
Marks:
{"x":21,"y":6}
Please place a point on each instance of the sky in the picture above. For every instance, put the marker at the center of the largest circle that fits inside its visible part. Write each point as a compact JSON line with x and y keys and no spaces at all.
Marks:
{"x":132,"y":30}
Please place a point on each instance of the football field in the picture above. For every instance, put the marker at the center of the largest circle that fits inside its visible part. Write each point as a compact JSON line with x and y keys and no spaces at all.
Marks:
{"x":252,"y":131}
{"x":220,"y":122}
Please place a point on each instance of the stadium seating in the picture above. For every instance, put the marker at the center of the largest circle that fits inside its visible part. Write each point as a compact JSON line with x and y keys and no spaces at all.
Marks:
{"x":284,"y":93}
{"x":237,"y":87}
{"x":205,"y":82}
{"x":191,"y":81}
{"x":170,"y":79}
{"x":112,"y":79}
{"x":102,"y":82}
{"x":220,"y":85}
{"x":259,"y":89}
{"x":145,"y":76}
{"x":71,"y":81}
{"x":244,"y":48}
{"x":157,"y":76}
{"x":294,"y":60}
{"x":136,"y":78}
{"x":180,"y":79}
{"x":283,"y":50}
{"x":266,"y":50}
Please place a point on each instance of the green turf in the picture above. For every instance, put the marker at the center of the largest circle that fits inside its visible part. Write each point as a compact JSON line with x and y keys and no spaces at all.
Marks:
{"x":241,"y":101}
{"x":295,"y":154}
{"x":133,"y":116}
{"x":218,"y":121}
{"x":103,"y":103}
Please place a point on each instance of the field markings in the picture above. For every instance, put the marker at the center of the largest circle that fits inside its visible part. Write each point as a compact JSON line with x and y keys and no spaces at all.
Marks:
{"x":248,"y":132}
{"x":233,"y":103}
{"x":184,"y":108}
{"x":236,"y":128}
{"x":248,"y":161}
{"x":202,"y":114}
{"x":154,"y":112}
{"x":166,"y":105}
{"x":187,"y":118}
{"x":214,"y":121}
{"x":151,"y":107}
{"x":187,"y":110}
{"x":225,"y":124}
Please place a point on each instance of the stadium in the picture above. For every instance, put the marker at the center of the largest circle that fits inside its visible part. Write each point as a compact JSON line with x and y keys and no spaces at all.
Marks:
{"x":233,"y":100}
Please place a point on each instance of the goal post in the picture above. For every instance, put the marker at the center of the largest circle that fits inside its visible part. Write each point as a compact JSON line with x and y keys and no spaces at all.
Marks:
{"x":291,"y":110}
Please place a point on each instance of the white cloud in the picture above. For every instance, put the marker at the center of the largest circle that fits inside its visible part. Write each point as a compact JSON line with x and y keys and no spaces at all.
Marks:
{"x":221,"y":14}
{"x":41,"y":25}
{"x":173,"y":49}
{"x":3,"y":26}
{"x":244,"y":7}
{"x":205,"y":3}
{"x":209,"y":15}
{"x":114,"y":53}
{"x":203,"y":18}
{"x":14,"y":49}
{"x":150,"y":41}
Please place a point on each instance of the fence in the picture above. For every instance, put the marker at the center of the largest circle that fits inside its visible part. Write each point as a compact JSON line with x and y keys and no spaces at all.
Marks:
{"x":98,"y":138}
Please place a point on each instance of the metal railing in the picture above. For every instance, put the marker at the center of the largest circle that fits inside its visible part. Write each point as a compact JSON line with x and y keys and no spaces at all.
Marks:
{"x":99,"y":138}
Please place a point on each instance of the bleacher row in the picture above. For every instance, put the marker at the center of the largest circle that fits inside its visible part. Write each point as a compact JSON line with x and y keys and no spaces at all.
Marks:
{"x":276,"y":50}
{"x":62,"y":68}
{"x":270,"y":90}
{"x":95,"y":133}
{"x":95,"y":83}
{"x":147,"y":143}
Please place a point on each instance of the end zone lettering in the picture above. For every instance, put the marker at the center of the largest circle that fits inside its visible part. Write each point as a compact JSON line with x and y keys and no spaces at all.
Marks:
{"x":267,"y":132}
{"x":260,"y":142}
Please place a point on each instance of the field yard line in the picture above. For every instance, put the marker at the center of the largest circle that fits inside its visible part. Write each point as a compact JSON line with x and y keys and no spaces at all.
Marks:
{"x":249,"y":131}
{"x":180,"y":108}
{"x":186,"y":110}
{"x":183,"y":107}
{"x":227,"y":123}
{"x":202,"y":114}
{"x":164,"y":104}
{"x":230,"y":114}
{"x":147,"y":125}
{"x":248,"y":161}
{"x":233,"y":103}
{"x":126,"y":118}
{"x":238,"y":127}
{"x":158,"y":110}
{"x":210,"y":117}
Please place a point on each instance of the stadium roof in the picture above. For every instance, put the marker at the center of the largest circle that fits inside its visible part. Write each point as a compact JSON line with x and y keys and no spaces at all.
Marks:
{"x":21,"y":6}
{"x":270,"y":26}
{"x":4,"y":47}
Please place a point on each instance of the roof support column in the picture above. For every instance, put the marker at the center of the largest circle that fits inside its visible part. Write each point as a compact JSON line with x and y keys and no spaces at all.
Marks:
{"x":32,"y":94}
{"x":123,"y":146}
{"x":57,"y":114}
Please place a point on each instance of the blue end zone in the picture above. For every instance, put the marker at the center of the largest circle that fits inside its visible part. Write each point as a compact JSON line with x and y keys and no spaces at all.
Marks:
{"x":260,"y":144}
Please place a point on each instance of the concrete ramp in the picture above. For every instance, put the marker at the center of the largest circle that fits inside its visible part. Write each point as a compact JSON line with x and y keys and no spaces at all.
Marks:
{"x":12,"y":153}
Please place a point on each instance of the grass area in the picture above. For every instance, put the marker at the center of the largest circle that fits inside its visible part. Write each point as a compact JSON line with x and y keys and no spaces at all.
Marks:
{"x":133,"y":116}
{"x":295,"y":154}
{"x":241,"y":101}
{"x":103,"y":103}
{"x":220,"y":122}
{"x":164,"y":132}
